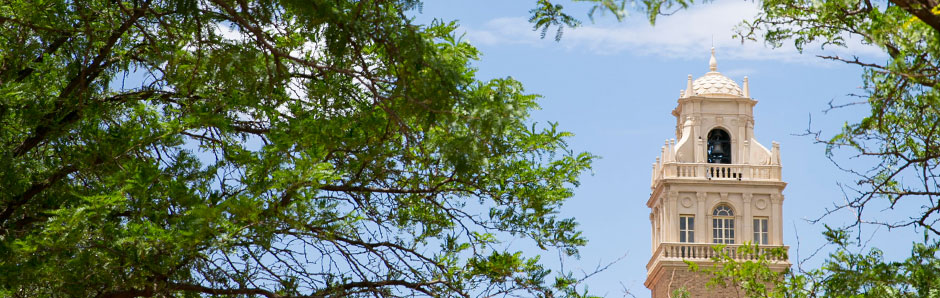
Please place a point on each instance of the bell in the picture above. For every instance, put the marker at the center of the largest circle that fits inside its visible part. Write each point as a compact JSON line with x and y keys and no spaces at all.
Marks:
{"x":717,"y":149}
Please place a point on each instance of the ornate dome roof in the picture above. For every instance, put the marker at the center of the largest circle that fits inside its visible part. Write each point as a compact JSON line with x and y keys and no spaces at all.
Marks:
{"x":714,"y":83}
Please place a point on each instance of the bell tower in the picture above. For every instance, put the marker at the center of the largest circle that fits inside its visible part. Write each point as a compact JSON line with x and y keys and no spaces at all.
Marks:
{"x":715,"y":185}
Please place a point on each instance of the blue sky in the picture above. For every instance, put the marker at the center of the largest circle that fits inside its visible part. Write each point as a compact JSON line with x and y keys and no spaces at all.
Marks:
{"x":614,"y":85}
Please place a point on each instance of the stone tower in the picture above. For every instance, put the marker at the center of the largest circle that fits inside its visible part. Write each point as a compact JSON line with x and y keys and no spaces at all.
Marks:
{"x":715,"y":185}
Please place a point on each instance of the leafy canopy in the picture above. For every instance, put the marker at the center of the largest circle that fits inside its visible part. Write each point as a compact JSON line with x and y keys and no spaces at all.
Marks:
{"x":901,"y":135}
{"x":900,"y":138}
{"x":272,"y":148}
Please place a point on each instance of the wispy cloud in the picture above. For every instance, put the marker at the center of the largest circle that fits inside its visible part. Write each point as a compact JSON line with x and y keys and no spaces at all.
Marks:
{"x":685,"y":34}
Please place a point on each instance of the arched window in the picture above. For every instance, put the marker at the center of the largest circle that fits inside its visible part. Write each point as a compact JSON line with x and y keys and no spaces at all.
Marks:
{"x":723,"y":225}
{"x":719,"y":146}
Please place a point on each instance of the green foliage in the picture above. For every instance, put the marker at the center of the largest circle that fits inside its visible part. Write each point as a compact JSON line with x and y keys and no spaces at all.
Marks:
{"x":900,"y":136}
{"x":547,"y":13}
{"x":843,"y":274}
{"x":681,"y":292}
{"x":267,"y":148}
{"x":751,"y":276}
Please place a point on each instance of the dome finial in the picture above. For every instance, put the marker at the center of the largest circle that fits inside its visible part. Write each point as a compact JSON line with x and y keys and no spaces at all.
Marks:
{"x":712,"y":63}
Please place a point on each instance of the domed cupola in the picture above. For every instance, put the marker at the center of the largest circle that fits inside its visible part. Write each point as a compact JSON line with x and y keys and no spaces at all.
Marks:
{"x":713,"y":83}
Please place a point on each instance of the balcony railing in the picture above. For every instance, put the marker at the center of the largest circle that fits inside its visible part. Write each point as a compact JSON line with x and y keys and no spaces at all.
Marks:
{"x":715,"y":171}
{"x":706,"y":251}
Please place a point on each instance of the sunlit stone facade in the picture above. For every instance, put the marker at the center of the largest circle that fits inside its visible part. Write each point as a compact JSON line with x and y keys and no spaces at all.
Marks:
{"x":716,"y":184}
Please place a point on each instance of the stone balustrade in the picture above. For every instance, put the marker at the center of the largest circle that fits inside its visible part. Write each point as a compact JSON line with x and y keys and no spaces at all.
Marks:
{"x":706,"y":251}
{"x":715,"y":171}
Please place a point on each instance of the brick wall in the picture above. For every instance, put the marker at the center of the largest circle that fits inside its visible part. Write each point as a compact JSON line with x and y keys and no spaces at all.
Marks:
{"x":671,"y":278}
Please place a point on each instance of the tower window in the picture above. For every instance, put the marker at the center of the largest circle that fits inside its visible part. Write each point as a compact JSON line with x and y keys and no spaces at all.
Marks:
{"x":719,"y":146}
{"x":723,"y":225}
{"x":686,"y":228}
{"x":760,"y":230}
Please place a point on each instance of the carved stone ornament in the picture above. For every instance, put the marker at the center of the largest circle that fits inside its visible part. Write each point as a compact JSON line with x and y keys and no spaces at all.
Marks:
{"x":761,"y":204}
{"x":673,"y":195}
{"x":686,"y":202}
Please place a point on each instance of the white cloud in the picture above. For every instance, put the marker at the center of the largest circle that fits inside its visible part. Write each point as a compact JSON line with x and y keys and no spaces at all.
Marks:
{"x":503,"y":31}
{"x":686,"y":34}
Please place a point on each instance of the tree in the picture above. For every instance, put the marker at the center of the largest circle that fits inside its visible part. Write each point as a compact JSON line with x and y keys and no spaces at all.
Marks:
{"x":900,"y":138}
{"x":267,"y":148}
{"x":844,"y":273}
